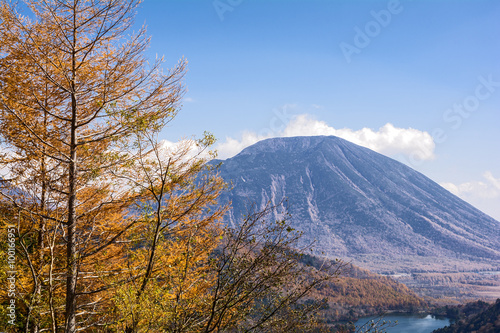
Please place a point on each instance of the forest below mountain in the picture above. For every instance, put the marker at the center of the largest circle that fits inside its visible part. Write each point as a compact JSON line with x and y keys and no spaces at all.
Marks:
{"x":356,"y":293}
{"x":454,"y":286}
{"x":480,"y":317}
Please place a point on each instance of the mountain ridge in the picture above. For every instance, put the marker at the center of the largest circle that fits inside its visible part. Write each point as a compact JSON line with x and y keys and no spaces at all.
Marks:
{"x":355,"y":202}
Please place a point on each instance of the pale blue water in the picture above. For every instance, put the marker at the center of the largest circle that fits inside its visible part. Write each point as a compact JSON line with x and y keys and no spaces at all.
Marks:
{"x":410,"y":323}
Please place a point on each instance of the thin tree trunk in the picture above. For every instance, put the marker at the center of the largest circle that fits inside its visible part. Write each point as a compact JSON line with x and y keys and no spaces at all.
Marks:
{"x":72,"y":270}
{"x":41,"y":223}
{"x":53,"y":315}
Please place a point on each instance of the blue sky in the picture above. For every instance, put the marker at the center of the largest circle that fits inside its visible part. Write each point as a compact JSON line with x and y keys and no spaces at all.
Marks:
{"x":418,"y":81}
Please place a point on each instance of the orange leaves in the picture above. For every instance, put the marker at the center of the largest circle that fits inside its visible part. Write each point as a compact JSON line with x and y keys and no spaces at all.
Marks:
{"x":75,"y":95}
{"x":115,"y":229}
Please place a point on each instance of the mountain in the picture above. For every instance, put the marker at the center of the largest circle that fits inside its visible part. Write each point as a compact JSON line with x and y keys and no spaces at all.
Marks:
{"x":355,"y":203}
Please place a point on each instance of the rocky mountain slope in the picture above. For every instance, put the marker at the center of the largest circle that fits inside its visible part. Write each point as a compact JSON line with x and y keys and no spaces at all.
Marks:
{"x":355,"y":203}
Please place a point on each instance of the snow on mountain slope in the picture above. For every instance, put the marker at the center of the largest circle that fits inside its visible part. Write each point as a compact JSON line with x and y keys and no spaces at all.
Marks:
{"x":353,"y":201}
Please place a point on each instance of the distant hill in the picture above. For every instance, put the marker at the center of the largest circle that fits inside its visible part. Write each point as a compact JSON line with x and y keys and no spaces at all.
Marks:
{"x":358,"y":293}
{"x":355,"y":203}
{"x":475,"y":317}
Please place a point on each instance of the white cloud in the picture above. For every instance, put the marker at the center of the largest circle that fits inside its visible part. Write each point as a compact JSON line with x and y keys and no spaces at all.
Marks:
{"x":483,"y":194}
{"x":495,"y":182}
{"x":188,"y":148}
{"x":487,"y":188}
{"x":188,"y":99}
{"x":388,"y":140}
{"x":232,"y":146}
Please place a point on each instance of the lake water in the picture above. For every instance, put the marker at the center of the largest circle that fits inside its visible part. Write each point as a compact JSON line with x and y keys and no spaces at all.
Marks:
{"x":410,"y":323}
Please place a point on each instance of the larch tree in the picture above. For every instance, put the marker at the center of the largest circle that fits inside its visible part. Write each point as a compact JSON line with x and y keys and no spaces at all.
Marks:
{"x":170,"y":253}
{"x":75,"y":92}
{"x":115,"y":231}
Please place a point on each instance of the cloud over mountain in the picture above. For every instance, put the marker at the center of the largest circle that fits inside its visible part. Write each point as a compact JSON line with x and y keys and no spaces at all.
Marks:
{"x":484,"y":193}
{"x":388,"y":140}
